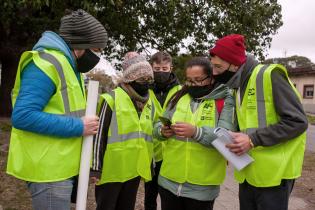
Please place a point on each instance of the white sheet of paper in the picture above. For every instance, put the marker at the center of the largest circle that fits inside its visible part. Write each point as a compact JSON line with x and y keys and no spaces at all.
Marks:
{"x":239,"y":162}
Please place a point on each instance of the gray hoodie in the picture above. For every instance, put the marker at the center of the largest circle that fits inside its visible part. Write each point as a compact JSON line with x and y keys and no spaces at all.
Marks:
{"x":293,"y":121}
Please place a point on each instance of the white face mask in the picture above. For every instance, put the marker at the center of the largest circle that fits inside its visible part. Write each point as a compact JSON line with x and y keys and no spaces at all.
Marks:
{"x":98,"y":54}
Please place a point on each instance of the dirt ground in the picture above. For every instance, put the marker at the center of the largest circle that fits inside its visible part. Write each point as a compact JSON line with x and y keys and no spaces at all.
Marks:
{"x":305,"y":185}
{"x":14,"y":196}
{"x":13,"y":192}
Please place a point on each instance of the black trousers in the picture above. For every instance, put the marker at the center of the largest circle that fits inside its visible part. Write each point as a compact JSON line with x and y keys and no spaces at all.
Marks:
{"x":117,"y":195}
{"x":169,"y":201}
{"x":265,"y":198}
{"x":152,"y":189}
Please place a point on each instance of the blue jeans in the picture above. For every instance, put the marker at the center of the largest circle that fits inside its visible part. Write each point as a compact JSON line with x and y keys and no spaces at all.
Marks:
{"x":51,"y":195}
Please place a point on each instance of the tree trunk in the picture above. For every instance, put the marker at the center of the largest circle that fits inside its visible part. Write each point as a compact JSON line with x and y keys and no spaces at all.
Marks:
{"x":9,"y":62}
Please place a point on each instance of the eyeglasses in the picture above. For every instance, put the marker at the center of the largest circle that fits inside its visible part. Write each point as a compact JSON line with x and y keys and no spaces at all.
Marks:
{"x":190,"y":82}
{"x":145,"y":80}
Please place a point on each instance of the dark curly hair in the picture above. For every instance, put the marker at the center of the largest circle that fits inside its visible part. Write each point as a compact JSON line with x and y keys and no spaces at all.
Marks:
{"x":196,"y":61}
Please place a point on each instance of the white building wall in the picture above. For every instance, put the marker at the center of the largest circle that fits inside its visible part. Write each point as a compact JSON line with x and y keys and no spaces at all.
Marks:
{"x":300,"y":81}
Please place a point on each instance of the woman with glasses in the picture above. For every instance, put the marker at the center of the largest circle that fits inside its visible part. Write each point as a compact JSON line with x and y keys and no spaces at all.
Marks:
{"x":126,"y":126}
{"x":192,"y":170}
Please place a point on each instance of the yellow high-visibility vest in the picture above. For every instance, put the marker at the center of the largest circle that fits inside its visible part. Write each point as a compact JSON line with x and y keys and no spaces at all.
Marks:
{"x":273,"y":163}
{"x":185,"y":160}
{"x":129,"y":148}
{"x":159,"y":145}
{"x":41,"y":158}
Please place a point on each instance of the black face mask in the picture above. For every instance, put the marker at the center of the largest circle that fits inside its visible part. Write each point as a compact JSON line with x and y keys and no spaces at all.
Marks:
{"x":141,"y":89}
{"x":87,"y":61}
{"x":224,"y":77}
{"x":161,"y":77}
{"x":199,"y":91}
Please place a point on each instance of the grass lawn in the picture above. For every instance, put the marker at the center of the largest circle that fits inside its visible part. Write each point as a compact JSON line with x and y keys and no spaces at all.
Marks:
{"x":311,"y":119}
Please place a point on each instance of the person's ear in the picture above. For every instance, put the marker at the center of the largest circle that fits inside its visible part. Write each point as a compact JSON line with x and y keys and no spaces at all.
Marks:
{"x":233,"y":68}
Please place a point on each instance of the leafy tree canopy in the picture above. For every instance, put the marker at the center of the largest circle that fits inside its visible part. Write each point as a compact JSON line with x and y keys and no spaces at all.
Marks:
{"x":294,"y":61}
{"x":192,"y":25}
{"x":142,"y":24}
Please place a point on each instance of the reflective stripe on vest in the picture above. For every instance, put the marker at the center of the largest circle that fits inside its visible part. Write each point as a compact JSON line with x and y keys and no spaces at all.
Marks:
{"x":64,"y":89}
{"x":36,"y":157}
{"x":159,"y":145}
{"x":116,"y":137}
{"x":129,"y":150}
{"x":185,"y":160}
{"x":261,"y":109}
{"x":257,"y":110}
{"x":170,"y":94}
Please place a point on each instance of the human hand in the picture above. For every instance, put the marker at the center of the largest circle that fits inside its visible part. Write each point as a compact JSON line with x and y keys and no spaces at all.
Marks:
{"x":94,"y":180}
{"x":183,"y":130}
{"x":241,"y":144}
{"x":166,"y":131}
{"x":91,"y":124}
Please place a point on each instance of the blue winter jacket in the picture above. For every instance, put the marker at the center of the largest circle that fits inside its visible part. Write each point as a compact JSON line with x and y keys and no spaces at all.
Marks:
{"x":35,"y":92}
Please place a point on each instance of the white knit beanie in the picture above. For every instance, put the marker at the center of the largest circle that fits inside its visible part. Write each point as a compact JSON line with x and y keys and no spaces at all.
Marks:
{"x":135,"y":66}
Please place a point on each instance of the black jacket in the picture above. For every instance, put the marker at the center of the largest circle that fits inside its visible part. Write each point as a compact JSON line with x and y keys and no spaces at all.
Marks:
{"x":161,"y":93}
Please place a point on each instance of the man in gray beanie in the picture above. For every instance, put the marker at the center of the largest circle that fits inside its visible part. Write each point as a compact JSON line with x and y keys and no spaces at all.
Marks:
{"x":82,"y":31}
{"x":49,"y":103}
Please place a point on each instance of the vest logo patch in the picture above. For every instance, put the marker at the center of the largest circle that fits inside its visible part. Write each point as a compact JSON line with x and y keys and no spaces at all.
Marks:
{"x":207,"y":106}
{"x":251,"y":91}
{"x":207,"y":109}
{"x":205,"y":117}
{"x":206,"y":113}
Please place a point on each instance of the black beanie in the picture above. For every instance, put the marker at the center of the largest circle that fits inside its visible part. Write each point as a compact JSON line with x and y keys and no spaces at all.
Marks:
{"x":82,"y":31}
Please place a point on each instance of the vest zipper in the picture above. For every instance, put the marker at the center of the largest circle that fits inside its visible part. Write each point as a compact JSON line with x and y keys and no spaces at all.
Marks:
{"x":179,"y":189}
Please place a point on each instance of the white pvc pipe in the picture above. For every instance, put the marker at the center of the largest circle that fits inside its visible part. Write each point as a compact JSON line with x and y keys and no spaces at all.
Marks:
{"x":87,"y":146}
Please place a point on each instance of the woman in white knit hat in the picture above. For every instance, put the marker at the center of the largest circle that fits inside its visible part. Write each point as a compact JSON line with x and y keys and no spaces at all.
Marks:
{"x":123,"y":145}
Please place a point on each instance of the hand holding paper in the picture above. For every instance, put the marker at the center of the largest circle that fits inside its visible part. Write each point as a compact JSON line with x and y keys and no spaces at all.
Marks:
{"x":224,"y":138}
{"x":241,"y":143}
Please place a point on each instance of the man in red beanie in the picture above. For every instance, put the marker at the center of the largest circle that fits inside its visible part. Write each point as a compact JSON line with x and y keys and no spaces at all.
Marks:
{"x":272,"y":125}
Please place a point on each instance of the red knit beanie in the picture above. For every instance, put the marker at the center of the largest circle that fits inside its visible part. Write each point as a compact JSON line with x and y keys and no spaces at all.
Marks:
{"x":230,"y":48}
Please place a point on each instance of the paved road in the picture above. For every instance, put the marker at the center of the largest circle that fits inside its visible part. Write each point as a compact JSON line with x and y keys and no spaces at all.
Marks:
{"x":311,"y":138}
{"x":228,"y":199}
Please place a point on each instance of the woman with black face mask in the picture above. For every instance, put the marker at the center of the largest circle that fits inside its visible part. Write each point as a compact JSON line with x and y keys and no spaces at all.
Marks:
{"x":192,"y":170}
{"x":123,"y":146}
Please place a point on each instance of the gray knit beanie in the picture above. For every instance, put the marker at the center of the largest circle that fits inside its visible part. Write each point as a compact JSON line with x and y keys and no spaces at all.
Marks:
{"x":135,"y":66}
{"x":82,"y":31}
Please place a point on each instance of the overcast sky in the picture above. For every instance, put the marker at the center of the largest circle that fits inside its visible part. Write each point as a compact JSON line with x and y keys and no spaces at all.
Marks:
{"x":297,"y":34}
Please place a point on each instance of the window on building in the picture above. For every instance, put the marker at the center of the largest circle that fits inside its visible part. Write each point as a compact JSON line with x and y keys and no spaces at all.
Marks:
{"x":308,"y":91}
